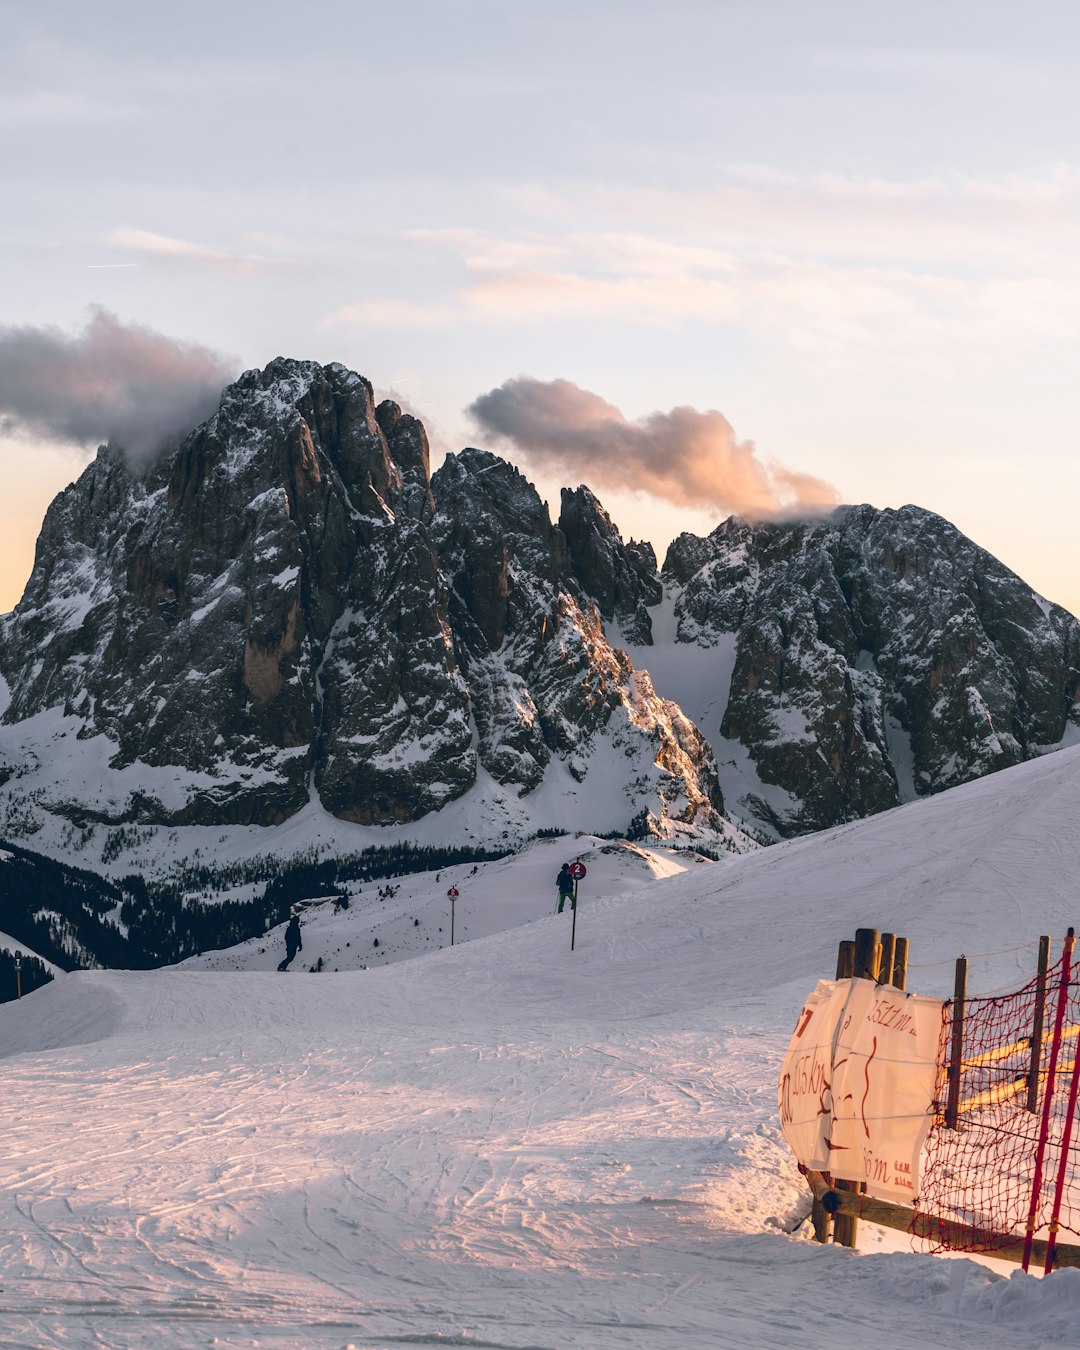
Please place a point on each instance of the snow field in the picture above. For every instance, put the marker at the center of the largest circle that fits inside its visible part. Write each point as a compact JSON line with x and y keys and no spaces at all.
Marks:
{"x":414,"y":917}
{"x":506,"y":1144}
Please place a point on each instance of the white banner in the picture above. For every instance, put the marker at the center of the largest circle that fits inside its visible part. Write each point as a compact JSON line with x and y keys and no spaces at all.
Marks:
{"x":858,"y":1084}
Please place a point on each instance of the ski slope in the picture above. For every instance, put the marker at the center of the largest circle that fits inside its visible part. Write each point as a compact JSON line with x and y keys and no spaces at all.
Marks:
{"x":397,"y":919}
{"x":506,"y":1144}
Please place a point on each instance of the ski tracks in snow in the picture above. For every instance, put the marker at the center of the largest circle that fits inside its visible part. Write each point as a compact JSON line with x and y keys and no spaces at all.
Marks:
{"x":364,"y":1185}
{"x":503,"y":1145}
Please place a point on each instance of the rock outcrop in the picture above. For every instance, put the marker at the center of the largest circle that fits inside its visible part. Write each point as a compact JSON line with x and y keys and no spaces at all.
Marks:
{"x":529,"y":638}
{"x":878,"y":655}
{"x":287,"y":609}
{"x":274,"y":613}
{"x":621,"y":578}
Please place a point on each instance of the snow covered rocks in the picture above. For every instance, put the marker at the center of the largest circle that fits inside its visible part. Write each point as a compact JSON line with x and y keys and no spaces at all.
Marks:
{"x":864,"y":659}
{"x":274,"y":612}
{"x":287,"y":612}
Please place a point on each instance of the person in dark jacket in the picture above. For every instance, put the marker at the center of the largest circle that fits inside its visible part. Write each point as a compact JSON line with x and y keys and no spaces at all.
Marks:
{"x":293,"y":941}
{"x":565,"y":882}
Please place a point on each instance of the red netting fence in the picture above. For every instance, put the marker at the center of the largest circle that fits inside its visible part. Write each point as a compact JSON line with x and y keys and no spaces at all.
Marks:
{"x":1003,"y":1160}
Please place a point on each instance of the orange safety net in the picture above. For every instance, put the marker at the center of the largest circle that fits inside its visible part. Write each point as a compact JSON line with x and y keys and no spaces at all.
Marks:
{"x":1011,"y":1156}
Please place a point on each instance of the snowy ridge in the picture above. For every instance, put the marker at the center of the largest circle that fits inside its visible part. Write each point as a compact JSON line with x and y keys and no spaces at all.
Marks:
{"x":506,"y":1144}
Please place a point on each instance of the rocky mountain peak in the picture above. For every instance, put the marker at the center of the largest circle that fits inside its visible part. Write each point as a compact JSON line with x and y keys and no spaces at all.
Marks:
{"x":876,"y":655}
{"x":621,"y":578}
{"x":288,"y":610}
{"x":228,"y":615}
{"x":277,"y":613}
{"x":530,"y":635}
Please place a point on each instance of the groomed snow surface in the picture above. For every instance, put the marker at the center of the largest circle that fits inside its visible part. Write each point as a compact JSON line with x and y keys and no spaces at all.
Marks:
{"x":507,"y":1144}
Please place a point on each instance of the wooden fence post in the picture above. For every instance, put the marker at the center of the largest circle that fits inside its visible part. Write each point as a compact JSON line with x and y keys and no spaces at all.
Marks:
{"x":867,"y":954}
{"x":888,"y":955}
{"x":1038,"y":1025}
{"x":900,"y":959}
{"x":956,"y":1054}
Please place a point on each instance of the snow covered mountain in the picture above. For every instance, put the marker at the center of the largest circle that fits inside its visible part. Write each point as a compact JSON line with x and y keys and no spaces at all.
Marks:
{"x":844,"y":665}
{"x":507,"y":1144}
{"x":287,"y":635}
{"x":279,"y":615}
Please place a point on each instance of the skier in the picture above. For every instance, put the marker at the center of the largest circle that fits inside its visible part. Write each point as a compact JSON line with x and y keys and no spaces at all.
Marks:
{"x":565,"y":883}
{"x":293,"y":941}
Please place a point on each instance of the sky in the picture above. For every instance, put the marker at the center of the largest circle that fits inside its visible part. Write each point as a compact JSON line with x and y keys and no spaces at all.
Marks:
{"x":812,"y":251}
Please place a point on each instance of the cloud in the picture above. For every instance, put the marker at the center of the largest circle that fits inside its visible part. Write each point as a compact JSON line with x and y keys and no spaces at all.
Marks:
{"x":843,"y":271}
{"x":128,"y":384}
{"x":684,"y":456}
{"x":168,"y":249}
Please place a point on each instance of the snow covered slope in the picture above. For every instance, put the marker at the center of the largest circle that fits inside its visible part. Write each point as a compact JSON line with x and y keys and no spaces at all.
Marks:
{"x":506,"y":1144}
{"x":388,"y":921}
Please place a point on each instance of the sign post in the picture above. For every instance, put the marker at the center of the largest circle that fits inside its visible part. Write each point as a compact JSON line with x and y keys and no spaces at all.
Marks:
{"x":577,"y":871}
{"x":18,"y":974}
{"x":453,"y":894}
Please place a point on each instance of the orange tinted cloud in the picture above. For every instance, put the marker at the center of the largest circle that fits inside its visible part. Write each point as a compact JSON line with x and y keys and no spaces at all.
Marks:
{"x":683,"y":456}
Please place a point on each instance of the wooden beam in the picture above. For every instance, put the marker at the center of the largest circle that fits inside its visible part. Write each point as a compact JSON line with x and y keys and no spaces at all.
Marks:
{"x":1003,"y":1246}
{"x":1000,"y":1092}
{"x":956,"y":1054}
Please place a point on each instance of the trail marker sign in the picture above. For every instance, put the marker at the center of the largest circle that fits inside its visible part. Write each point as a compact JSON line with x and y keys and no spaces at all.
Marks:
{"x":577,"y":871}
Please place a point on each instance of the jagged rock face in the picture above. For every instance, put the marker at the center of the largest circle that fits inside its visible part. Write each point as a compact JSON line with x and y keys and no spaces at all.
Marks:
{"x":274,"y":612}
{"x":546,"y":682}
{"x":621,"y":578}
{"x":261,"y":609}
{"x":879,"y":655}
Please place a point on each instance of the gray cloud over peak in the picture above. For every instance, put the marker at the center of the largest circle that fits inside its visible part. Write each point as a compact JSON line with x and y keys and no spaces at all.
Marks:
{"x":112,"y":381}
{"x":684,"y":456}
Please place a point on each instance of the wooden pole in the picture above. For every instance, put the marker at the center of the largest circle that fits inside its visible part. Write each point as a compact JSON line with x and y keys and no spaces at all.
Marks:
{"x":1048,"y":1097}
{"x":867,"y":954}
{"x":845,"y":960}
{"x":956,"y":1056}
{"x":900,"y":960}
{"x":888,"y":955}
{"x":1037,"y":1025}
